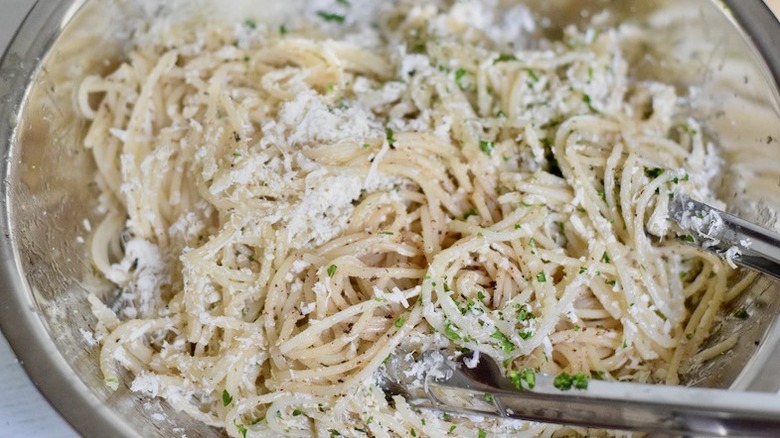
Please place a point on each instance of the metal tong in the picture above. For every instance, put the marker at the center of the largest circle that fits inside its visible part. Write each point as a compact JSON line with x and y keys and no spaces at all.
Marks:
{"x":718,"y":231}
{"x":659,"y":409}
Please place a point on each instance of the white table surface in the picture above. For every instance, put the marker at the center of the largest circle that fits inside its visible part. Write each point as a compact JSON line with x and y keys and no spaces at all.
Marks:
{"x":23,"y":410}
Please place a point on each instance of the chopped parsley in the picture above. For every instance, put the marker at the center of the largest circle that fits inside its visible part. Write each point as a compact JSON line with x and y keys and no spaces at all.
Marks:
{"x":297,"y":412}
{"x":360,"y":430}
{"x":451,"y":429}
{"x":583,"y":269}
{"x":488,"y":398}
{"x":541,"y":277}
{"x":241,"y":428}
{"x":580,"y":381}
{"x":282,"y":30}
{"x":501,"y":114}
{"x":472,"y":212}
{"x":685,"y":127}
{"x":226,"y":397}
{"x":565,"y":381}
{"x":250,"y":23}
{"x":481,"y":296}
{"x":742,"y":314}
{"x":413,"y":432}
{"x":459,"y":74}
{"x":327,"y":16}
{"x":400,"y":322}
{"x":482,"y":434}
{"x":343,"y":2}
{"x":690,"y":239}
{"x":611,"y":282}
{"x":654,"y":172}
{"x":332,"y":270}
{"x":504,"y":57}
{"x":598,"y":375}
{"x":451,"y":333}
{"x":390,"y":137}
{"x":506,"y":344}
{"x":486,"y":147}
{"x":526,"y":375}
{"x":525,"y":335}
{"x":532,"y":74}
{"x":523,"y":313}
{"x":587,"y":100}
{"x":605,"y":257}
{"x":334,"y":433}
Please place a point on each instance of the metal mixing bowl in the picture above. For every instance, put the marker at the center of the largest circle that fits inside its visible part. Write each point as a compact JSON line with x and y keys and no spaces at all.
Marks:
{"x":729,"y":53}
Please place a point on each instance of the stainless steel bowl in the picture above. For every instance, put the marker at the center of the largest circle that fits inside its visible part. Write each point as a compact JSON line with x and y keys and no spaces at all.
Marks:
{"x":729,"y":52}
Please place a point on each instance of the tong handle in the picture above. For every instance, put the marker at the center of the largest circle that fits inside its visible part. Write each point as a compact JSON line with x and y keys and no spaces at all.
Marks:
{"x":658,"y":409}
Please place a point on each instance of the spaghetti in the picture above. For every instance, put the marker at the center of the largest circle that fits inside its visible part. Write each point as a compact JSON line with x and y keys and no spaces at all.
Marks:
{"x":286,"y":210}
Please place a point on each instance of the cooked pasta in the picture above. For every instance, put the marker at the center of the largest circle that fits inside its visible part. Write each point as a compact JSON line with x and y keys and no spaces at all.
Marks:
{"x":288,"y":207}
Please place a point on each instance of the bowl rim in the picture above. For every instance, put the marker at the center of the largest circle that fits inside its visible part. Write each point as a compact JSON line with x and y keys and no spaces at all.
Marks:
{"x":21,"y":324}
{"x":24,"y":327}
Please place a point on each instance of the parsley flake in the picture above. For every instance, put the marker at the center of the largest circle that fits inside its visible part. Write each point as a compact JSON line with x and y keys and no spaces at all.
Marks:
{"x":390,"y":137}
{"x":226,"y":397}
{"x":541,"y":277}
{"x":506,"y":344}
{"x":532,"y":74}
{"x":587,"y":100}
{"x":241,"y":428}
{"x":332,"y":270}
{"x":459,"y":74}
{"x":486,"y":147}
{"x":504,"y":57}
{"x":327,"y":16}
{"x":526,"y":375}
{"x":654,"y":172}
{"x":400,"y":322}
{"x":451,"y":333}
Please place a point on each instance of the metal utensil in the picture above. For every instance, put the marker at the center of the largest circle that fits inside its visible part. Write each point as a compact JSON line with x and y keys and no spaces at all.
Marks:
{"x":661,"y":409}
{"x":744,"y":243}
